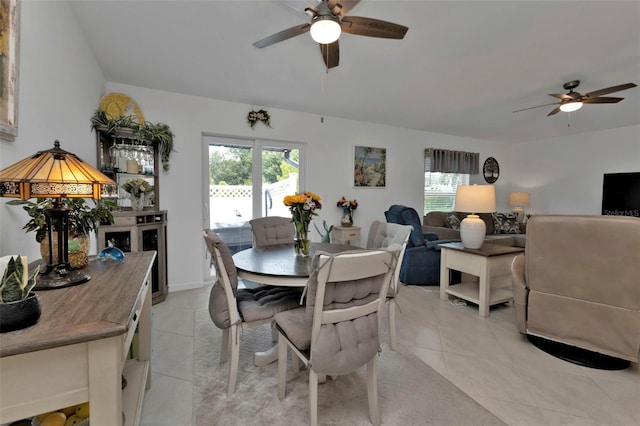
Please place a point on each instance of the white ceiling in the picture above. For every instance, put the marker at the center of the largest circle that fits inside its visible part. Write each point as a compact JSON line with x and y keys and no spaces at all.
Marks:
{"x":462,"y":68}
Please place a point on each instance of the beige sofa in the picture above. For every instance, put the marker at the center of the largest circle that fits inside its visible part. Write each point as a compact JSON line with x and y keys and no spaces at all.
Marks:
{"x":436,"y":222}
{"x":578,"y":283}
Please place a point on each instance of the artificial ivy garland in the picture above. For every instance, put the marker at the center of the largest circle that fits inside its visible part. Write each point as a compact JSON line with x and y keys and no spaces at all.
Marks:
{"x":261,"y":115}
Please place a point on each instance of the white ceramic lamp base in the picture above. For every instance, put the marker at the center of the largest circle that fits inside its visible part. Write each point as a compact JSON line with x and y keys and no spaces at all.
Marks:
{"x":472,"y":231}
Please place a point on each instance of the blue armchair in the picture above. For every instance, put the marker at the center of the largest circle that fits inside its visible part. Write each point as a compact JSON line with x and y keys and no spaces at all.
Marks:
{"x":421,"y":262}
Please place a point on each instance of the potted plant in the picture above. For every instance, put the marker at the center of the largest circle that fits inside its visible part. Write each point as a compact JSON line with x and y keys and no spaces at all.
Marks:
{"x":82,"y":220}
{"x":19,"y":308}
{"x":146,"y":132}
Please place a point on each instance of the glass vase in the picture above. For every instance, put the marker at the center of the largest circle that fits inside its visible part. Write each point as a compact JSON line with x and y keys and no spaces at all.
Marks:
{"x":301,"y":243}
{"x":346,"y":220}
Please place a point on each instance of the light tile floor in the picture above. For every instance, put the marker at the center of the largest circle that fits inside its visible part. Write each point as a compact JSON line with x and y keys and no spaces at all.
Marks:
{"x":485,"y":357}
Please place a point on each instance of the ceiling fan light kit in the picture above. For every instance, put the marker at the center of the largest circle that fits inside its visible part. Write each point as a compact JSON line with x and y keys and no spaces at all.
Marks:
{"x":325,"y":29}
{"x":571,"y":106}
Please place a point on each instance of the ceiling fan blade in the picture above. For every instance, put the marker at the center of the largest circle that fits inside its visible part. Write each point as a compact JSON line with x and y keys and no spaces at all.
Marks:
{"x":373,"y":27}
{"x":561,"y":96}
{"x":282,"y":35}
{"x":555,"y":111}
{"x":602,"y":100}
{"x":612,"y":89}
{"x":330,"y":54}
{"x":539,"y":106}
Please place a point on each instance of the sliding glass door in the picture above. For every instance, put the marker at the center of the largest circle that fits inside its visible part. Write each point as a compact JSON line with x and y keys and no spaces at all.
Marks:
{"x":246,"y":179}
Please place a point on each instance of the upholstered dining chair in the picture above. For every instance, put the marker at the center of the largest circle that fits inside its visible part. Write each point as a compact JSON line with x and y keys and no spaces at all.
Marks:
{"x":231,"y":308}
{"x":272,"y":230}
{"x":338,"y":330}
{"x":391,"y":236}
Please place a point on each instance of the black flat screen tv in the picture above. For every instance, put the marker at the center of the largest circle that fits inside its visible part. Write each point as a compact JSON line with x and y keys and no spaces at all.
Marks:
{"x":621,"y":194}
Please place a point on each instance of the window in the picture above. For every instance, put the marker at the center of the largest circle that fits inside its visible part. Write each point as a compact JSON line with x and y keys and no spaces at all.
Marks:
{"x":440,"y":190}
{"x":444,"y":171}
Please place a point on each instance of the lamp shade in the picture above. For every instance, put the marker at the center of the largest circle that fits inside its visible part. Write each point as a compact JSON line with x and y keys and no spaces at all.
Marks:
{"x":476,"y":198}
{"x":325,"y":29}
{"x":54,"y":173}
{"x":519,"y":199}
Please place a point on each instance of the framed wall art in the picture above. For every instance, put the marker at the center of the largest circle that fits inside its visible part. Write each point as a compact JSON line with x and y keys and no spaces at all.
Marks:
{"x":9,"y":46}
{"x":369,"y":167}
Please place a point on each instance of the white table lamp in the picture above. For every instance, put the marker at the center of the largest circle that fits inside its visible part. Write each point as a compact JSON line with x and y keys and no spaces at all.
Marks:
{"x":474,"y":199}
{"x":518,"y":200}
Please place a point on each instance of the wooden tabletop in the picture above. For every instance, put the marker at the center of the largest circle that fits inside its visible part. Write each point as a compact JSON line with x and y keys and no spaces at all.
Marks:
{"x":281,"y":260}
{"x":99,"y":308}
{"x":487,"y":249}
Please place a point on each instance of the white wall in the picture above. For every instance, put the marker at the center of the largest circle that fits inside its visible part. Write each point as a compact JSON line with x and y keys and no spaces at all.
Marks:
{"x":60,"y":84}
{"x":330,"y":147}
{"x":564,"y":175}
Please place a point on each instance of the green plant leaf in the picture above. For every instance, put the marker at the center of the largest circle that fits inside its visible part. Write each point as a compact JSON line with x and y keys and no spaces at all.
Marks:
{"x":31,"y":283}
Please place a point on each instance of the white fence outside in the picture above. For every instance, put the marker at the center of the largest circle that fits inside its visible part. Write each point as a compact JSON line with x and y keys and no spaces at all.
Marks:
{"x":231,"y":208}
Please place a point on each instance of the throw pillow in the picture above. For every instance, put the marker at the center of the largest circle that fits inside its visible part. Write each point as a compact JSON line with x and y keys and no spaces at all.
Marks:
{"x":505,"y":223}
{"x":453,"y":222}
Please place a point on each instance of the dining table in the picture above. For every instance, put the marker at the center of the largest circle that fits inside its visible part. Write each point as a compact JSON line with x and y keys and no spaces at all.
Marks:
{"x":279,"y":265}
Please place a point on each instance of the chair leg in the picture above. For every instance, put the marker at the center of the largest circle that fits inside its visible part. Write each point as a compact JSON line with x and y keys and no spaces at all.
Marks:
{"x":313,"y":397}
{"x":392,"y":324}
{"x":235,"y":359}
{"x":225,"y":345}
{"x":372,"y":390}
{"x":282,"y":366}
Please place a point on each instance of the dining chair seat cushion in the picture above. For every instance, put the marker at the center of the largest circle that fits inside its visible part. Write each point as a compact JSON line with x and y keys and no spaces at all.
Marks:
{"x":340,"y":347}
{"x":296,"y":326}
{"x":255,"y":304}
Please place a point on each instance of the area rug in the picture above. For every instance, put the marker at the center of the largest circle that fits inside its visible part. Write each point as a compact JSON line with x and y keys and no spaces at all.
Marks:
{"x":410,"y":392}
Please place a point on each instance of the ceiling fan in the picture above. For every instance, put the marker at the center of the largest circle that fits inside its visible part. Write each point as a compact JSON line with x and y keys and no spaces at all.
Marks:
{"x":573,"y":101}
{"x":328,"y":20}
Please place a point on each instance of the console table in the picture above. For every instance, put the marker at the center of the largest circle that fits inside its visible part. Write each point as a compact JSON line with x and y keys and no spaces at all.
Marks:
{"x":78,"y":349}
{"x":491,"y":263}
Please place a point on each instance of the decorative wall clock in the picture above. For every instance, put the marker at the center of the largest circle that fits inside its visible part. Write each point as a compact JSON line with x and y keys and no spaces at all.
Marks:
{"x":491,"y":170}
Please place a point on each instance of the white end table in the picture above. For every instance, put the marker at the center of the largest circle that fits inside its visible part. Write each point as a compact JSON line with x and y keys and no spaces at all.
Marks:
{"x":345,"y":235}
{"x":491,"y":264}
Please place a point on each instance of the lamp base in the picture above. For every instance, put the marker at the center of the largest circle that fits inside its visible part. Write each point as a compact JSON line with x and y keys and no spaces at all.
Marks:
{"x":472,"y":231}
{"x":519,"y":212}
{"x":53,"y":280}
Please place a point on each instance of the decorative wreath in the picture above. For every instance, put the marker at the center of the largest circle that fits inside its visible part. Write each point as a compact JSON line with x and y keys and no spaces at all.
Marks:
{"x":261,"y":115}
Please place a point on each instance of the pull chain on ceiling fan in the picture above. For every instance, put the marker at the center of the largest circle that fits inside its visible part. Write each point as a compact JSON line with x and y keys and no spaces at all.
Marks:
{"x":573,"y":101}
{"x":328,"y":21}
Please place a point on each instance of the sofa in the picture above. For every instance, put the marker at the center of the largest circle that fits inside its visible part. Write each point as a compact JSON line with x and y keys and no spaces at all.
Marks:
{"x":421,"y":261}
{"x":509,"y":232}
{"x":577,"y":285}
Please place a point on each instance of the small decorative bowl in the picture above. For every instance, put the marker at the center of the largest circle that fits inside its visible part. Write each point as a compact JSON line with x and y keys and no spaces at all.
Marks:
{"x":113,"y":253}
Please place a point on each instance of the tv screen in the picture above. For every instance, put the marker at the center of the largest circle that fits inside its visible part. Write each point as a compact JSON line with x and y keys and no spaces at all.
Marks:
{"x":621,"y":194}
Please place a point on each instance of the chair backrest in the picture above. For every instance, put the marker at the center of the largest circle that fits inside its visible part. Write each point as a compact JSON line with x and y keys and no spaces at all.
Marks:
{"x":272,"y":230}
{"x":223,"y":309}
{"x":344,"y":294}
{"x":404,"y":215}
{"x":390,"y":236}
{"x":583,"y":280}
